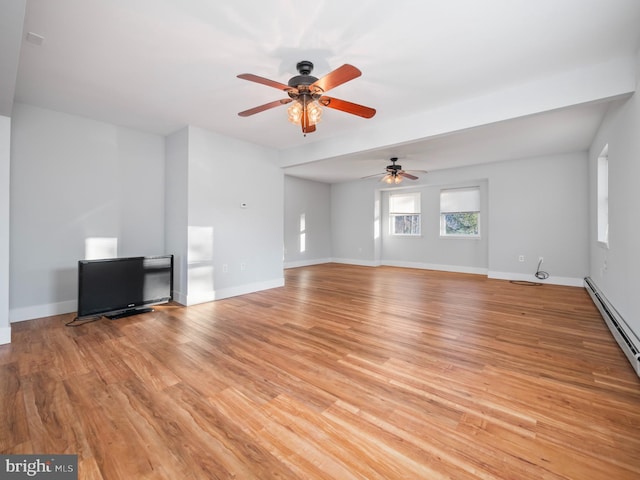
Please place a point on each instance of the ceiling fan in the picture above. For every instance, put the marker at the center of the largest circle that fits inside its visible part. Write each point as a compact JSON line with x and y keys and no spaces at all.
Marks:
{"x":395,"y":174}
{"x":306,"y":94}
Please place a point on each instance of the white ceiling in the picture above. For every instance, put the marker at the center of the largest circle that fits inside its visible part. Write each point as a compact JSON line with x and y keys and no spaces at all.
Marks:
{"x":159,"y":65}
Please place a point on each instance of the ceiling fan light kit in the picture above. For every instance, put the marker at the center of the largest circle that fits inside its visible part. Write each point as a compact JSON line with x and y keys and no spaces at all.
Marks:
{"x":394,"y":173}
{"x":392,"y":178}
{"x":306,"y":95}
{"x":297,"y":112}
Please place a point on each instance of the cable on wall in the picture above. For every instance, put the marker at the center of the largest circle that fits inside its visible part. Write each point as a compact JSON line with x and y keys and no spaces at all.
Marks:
{"x":540,"y":274}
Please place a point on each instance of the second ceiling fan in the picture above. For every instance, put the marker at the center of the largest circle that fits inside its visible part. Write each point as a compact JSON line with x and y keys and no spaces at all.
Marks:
{"x":395,"y":174}
{"x":307,"y":95}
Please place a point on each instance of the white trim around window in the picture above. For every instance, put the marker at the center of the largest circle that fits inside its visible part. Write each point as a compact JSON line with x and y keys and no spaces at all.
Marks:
{"x":460,"y":212}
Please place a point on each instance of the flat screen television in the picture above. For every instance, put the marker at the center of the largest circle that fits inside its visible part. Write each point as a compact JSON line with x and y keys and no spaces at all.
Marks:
{"x":119,"y":287}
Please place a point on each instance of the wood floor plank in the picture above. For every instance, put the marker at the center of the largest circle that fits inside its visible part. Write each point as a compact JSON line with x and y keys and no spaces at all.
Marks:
{"x":13,"y":420}
{"x":346,"y":372}
{"x":227,"y":450}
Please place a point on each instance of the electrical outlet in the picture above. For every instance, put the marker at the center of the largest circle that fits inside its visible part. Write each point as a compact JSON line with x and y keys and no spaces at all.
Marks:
{"x":521,"y":258}
{"x":225,"y":268}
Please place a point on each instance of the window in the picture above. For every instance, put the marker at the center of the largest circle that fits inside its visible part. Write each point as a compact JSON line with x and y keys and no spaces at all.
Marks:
{"x":404,"y":213}
{"x":603,"y":196}
{"x":303,"y":232}
{"x":460,"y":212}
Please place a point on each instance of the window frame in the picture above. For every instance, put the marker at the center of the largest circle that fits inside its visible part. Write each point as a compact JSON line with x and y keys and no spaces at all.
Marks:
{"x":443,"y":214}
{"x":602,"y":197}
{"x":417,"y":214}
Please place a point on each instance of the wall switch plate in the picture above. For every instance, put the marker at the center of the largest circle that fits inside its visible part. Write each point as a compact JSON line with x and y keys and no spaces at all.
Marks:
{"x":521,"y":258}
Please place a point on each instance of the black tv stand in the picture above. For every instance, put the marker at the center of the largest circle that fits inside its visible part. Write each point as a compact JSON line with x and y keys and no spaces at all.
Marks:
{"x":128,"y":313}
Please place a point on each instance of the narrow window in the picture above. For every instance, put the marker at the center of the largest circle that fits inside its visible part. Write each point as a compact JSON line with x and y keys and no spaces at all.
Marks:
{"x":603,"y":196}
{"x":404,"y":213}
{"x":460,"y":212}
{"x":303,"y":232}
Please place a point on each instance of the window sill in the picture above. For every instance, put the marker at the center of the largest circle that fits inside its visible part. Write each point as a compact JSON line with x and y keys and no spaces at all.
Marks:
{"x":466,"y":237}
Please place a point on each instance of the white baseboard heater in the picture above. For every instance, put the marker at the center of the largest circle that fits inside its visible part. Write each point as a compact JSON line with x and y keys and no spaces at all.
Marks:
{"x":628,"y":341}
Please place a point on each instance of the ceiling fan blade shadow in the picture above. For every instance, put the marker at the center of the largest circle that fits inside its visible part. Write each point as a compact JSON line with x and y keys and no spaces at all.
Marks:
{"x":264,"y":107}
{"x":265,"y":81}
{"x":348,"y":107}
{"x":337,"y":77}
{"x":371,"y":176}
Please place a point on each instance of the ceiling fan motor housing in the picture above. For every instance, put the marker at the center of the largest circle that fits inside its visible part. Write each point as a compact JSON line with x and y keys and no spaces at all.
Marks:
{"x":299,"y":80}
{"x":304,"y":68}
{"x":302,"y":82}
{"x":393,"y":168}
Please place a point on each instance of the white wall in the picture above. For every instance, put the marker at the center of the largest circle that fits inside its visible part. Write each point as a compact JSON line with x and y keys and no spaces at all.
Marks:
{"x":313,"y":201}
{"x":73,"y":180}
{"x":235,"y":217}
{"x":11,"y":26}
{"x":540,"y":207}
{"x":616,"y":269}
{"x":429,"y":250}
{"x":535,"y":207}
{"x":5,"y":141}
{"x":353,"y":219}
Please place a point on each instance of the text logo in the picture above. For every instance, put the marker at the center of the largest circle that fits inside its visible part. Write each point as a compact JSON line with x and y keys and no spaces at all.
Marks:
{"x":44,"y":467}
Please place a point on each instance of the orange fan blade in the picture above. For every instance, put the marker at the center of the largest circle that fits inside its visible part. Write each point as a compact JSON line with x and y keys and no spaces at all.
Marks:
{"x":408,"y":175}
{"x":339,"y":76}
{"x":348,"y":107}
{"x":264,"y":107}
{"x":265,"y":81}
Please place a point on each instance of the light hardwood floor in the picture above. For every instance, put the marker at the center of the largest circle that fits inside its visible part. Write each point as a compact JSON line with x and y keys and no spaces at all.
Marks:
{"x":347,"y":372}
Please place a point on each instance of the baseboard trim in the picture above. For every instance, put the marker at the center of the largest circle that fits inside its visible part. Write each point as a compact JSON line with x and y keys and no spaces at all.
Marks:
{"x":552,"y":280}
{"x":525,"y":277}
{"x":48,"y":310}
{"x":220,"y":294}
{"x":40,"y":311}
{"x":353,"y":261}
{"x":200,"y":297}
{"x":306,"y":263}
{"x":59,"y":308}
{"x":438,"y":267}
{"x":179,"y":297}
{"x":5,"y":335}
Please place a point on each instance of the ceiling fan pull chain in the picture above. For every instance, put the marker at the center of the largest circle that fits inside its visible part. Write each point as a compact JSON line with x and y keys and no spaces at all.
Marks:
{"x":305,"y":115}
